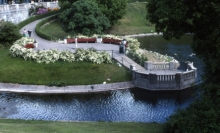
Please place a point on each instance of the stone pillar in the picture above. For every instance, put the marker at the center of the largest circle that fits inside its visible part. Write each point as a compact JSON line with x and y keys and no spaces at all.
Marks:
{"x":99,"y":40}
{"x":152,"y":78}
{"x":133,"y":75}
{"x":179,"y":79}
{"x":48,"y":4}
{"x":171,"y":65}
{"x":148,"y":65}
{"x":133,"y":67}
{"x":36,"y":44}
{"x":76,"y":41}
{"x":195,"y":70}
{"x":65,"y":41}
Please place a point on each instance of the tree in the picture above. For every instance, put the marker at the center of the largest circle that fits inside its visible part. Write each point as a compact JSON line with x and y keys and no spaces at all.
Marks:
{"x":65,"y":4}
{"x":8,"y":33}
{"x":113,"y":9}
{"x":84,"y":17}
{"x":200,"y":117}
{"x":174,"y":18}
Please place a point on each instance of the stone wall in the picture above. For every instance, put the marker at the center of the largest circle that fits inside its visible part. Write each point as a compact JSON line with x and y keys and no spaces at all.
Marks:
{"x":16,"y":13}
{"x":164,"y":76}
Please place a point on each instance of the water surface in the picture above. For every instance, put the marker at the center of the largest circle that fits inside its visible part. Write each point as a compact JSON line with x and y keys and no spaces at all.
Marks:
{"x":131,"y":105}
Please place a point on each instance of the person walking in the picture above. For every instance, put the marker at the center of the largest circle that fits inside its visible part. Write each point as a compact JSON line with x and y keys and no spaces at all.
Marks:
{"x":29,"y":32}
{"x":24,"y":33}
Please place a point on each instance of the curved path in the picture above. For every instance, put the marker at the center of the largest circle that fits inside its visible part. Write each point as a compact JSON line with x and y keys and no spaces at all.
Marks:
{"x":45,"y":44}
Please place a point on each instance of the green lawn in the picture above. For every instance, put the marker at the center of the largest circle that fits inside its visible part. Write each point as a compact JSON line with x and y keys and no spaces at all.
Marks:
{"x":17,"y":70}
{"x":133,"y":22}
{"x":22,"y":126}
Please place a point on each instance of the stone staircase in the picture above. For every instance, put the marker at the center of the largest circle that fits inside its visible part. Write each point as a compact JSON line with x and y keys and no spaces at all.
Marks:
{"x":127,"y":62}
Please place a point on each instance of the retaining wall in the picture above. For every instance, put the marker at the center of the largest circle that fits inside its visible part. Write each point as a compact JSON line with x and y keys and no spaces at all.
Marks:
{"x":164,"y":76}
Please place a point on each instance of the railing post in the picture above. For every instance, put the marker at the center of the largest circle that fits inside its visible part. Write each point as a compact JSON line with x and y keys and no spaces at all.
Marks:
{"x":148,"y":65}
{"x":112,"y":54}
{"x":122,"y":61}
{"x":179,"y":79}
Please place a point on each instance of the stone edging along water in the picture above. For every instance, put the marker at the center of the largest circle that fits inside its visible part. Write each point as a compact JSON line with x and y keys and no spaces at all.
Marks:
{"x":41,"y":89}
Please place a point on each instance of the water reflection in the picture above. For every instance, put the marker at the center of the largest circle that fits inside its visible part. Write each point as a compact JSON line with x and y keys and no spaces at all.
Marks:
{"x":127,"y":105}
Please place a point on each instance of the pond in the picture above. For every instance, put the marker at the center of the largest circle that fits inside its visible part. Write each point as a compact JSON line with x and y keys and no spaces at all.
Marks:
{"x":130,"y":105}
{"x":178,"y":48}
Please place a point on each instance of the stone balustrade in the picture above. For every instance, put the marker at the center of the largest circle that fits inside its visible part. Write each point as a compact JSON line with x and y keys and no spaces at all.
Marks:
{"x":160,"y":65}
{"x":164,"y":76}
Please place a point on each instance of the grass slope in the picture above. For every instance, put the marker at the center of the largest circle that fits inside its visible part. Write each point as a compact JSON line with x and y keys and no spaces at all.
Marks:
{"x":133,"y":22}
{"x":17,"y":70}
{"x":23,"y":126}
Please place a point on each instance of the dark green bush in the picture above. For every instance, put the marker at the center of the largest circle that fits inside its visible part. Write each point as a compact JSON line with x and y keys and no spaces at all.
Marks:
{"x":34,"y":9}
{"x":84,"y":17}
{"x":130,"y":1}
{"x":203,"y":116}
{"x":58,"y":84}
{"x":8,"y":33}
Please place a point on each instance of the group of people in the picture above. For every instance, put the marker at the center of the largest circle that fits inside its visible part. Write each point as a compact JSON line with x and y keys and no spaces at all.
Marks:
{"x":27,"y":33}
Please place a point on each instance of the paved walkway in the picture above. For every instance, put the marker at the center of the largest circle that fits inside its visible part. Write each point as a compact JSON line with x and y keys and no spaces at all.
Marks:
{"x":111,"y":48}
{"x":45,"y":44}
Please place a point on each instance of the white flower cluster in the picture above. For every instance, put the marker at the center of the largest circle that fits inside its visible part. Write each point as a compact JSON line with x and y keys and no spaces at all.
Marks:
{"x":133,"y":44}
{"x":51,"y":56}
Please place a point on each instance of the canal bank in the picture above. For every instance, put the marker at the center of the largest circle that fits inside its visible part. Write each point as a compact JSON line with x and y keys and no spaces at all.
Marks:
{"x":41,"y":89}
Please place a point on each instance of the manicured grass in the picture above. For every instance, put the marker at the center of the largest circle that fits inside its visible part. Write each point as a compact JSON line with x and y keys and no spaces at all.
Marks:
{"x":133,"y":22}
{"x":55,"y":30}
{"x":22,"y":126}
{"x":17,"y":70}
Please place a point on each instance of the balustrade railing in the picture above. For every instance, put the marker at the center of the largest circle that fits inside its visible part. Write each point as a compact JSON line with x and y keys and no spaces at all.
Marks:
{"x":160,"y":65}
{"x":172,"y":79}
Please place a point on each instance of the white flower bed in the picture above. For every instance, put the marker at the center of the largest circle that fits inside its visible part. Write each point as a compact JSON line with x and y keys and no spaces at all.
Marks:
{"x":51,"y":56}
{"x":90,"y":55}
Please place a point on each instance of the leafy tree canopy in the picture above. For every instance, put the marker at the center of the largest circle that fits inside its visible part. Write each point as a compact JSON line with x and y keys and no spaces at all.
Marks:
{"x":84,"y":17}
{"x":176,"y":17}
{"x":64,"y":4}
{"x":112,"y":9}
{"x":201,"y":116}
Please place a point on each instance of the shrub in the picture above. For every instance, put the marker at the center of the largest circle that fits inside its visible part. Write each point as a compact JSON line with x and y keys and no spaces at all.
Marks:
{"x":42,"y":11}
{"x":85,"y":17}
{"x":201,"y":116}
{"x":137,"y":57}
{"x":38,"y":10}
{"x":51,"y":56}
{"x":58,"y":84}
{"x":8,"y":33}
